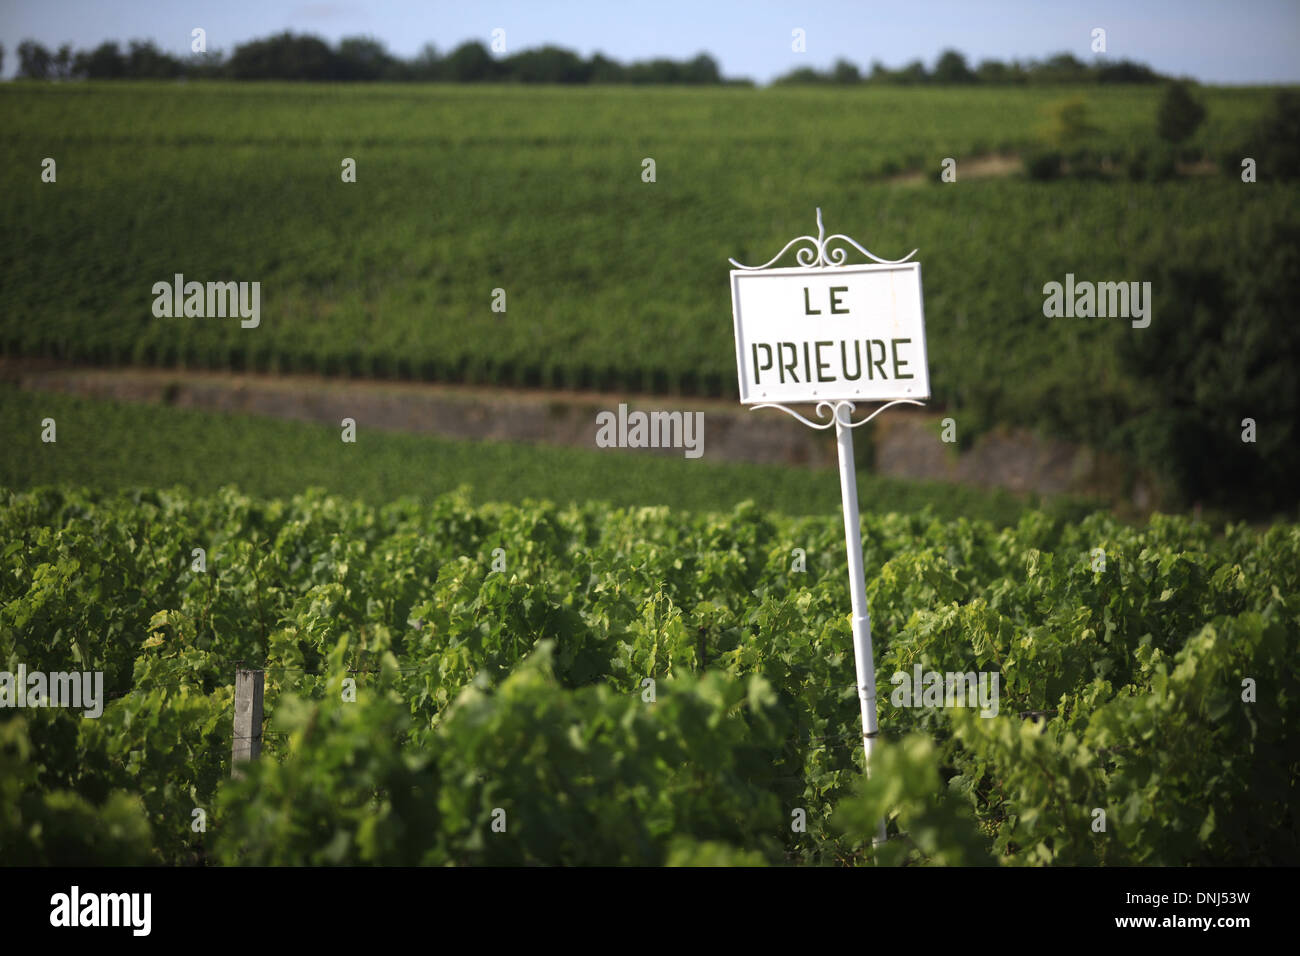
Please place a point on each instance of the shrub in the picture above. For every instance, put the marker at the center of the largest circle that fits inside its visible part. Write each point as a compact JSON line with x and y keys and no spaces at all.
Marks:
{"x":1223,"y":347}
{"x":1043,"y":164}
{"x":1180,"y":114}
{"x":1275,"y":141}
{"x":1069,"y":125}
{"x":1162,"y":166}
{"x":1135,"y":164}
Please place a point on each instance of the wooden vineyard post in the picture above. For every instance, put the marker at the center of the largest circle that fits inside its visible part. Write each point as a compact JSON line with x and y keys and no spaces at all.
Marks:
{"x":248,"y":719}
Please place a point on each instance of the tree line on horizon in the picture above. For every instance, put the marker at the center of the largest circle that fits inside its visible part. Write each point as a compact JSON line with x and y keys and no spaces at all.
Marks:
{"x":952,"y":69}
{"x":289,"y":56}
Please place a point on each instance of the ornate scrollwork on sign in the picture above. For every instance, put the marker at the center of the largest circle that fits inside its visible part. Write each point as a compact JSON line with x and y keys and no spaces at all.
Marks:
{"x":818,"y":254}
{"x":833,"y":409}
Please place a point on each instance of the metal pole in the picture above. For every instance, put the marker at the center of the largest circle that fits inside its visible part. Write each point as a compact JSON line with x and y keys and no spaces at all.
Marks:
{"x":865,"y":663}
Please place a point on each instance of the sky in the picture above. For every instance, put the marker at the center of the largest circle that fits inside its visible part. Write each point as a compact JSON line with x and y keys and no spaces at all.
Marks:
{"x":1214,"y":41}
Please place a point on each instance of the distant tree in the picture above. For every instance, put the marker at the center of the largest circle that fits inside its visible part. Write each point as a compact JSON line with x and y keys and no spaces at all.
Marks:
{"x":428,"y":64}
{"x":913,"y":73}
{"x":146,"y":61}
{"x":2,"y":59}
{"x":209,"y":65}
{"x":34,"y":61}
{"x":605,"y":70}
{"x":1126,"y":71}
{"x":1018,"y":71}
{"x":1062,"y":68}
{"x":548,"y":64}
{"x":702,"y":70}
{"x":470,"y":63}
{"x":845,"y":73}
{"x":62,"y":64}
{"x":659,"y":70}
{"x":105,"y":62}
{"x":993,"y":71}
{"x":951,"y":68}
{"x":284,"y":56}
{"x":1179,"y":114}
{"x":363,"y":58}
{"x":803,"y":76}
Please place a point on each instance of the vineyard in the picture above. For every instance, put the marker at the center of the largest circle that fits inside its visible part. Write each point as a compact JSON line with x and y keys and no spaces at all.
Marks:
{"x":641,"y":685}
{"x":533,"y":200}
{"x":503,"y":652}
{"x":611,"y":282}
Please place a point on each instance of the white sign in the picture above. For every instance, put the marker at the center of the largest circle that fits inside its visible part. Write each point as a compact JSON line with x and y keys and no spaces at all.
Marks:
{"x":832,"y":335}
{"x":844,"y":332}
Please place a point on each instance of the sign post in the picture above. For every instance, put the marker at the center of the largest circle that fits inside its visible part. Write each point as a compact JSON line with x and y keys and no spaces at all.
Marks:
{"x":833,"y":334}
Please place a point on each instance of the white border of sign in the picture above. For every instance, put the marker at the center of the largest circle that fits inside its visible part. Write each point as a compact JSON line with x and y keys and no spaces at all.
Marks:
{"x":833,"y":393}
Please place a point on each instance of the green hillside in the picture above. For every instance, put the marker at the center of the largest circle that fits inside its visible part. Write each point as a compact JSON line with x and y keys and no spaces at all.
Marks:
{"x":610,"y":281}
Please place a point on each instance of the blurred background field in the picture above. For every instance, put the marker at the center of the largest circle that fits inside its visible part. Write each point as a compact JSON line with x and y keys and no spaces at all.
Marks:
{"x":618,"y":284}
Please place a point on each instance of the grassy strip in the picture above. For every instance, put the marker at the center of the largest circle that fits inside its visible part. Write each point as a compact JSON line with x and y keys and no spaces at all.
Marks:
{"x":110,"y":445}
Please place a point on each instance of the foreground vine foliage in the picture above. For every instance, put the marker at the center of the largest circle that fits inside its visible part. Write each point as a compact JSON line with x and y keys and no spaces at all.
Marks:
{"x":1147,"y":713}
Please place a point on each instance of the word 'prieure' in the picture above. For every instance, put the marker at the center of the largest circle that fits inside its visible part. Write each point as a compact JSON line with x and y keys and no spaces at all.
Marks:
{"x":821,"y":361}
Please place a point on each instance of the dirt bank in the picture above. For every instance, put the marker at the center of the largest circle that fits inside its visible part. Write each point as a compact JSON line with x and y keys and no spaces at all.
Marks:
{"x":902,"y":443}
